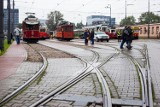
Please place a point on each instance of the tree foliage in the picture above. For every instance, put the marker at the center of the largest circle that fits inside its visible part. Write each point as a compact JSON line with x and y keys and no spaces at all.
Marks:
{"x":130,"y":20}
{"x":149,"y":17}
{"x":19,"y":25}
{"x":54,"y":18}
{"x":79,"y":25}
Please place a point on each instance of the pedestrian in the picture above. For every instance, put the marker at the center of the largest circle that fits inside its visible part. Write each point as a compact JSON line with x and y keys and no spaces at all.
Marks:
{"x":86,"y":36}
{"x":124,"y":37}
{"x":17,"y":34}
{"x":129,"y":37}
{"x":12,"y":36}
{"x":119,"y":36}
{"x":92,"y":37}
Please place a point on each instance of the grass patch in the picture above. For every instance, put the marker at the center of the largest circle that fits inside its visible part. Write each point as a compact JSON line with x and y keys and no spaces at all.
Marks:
{"x":6,"y":46}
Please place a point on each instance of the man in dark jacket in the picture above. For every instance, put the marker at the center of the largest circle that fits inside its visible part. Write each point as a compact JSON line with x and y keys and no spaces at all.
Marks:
{"x":86,"y":35}
{"x":129,"y":37}
{"x":124,"y":37}
{"x":92,"y":37}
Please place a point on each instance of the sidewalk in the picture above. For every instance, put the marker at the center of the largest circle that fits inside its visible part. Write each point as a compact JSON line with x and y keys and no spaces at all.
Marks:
{"x":11,"y":60}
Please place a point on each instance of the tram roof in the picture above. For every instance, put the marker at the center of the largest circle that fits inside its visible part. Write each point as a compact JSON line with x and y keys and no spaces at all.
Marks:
{"x":31,"y":21}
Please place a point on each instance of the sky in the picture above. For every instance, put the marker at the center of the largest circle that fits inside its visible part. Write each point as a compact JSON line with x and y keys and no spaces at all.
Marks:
{"x":77,"y":10}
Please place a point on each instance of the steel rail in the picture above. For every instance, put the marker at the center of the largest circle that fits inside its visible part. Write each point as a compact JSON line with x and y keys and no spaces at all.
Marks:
{"x":26,"y":84}
{"x":85,"y":72}
{"x":145,"y":78}
{"x":149,"y":79}
{"x":73,"y":81}
{"x":142,"y":75}
{"x":107,"y":102}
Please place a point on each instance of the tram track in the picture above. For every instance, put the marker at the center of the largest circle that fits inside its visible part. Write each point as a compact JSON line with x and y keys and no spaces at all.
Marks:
{"x":122,"y":102}
{"x":144,"y":73}
{"x":87,"y":70}
{"x":72,"y":79}
{"x":26,"y":84}
{"x":64,"y":87}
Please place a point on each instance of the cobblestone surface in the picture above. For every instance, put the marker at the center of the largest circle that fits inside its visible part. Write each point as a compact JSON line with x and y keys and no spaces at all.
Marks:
{"x":89,"y":86}
{"x":124,"y":75}
{"x":87,"y":55}
{"x":120,"y":74}
{"x":55,"y":76}
{"x":154,"y":51}
{"x":24,"y":72}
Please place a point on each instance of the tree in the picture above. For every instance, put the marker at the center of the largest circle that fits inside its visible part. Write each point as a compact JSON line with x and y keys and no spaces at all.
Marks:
{"x":79,"y":25}
{"x":54,"y":19}
{"x":130,"y":20}
{"x":149,"y":17}
{"x":19,"y":25}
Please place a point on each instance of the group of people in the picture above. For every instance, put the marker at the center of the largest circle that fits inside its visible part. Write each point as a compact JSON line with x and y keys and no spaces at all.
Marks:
{"x":127,"y":37}
{"x":89,"y":36}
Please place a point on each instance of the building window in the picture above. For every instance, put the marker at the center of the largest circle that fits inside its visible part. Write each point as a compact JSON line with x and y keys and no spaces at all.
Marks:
{"x":157,"y":29}
{"x":145,"y":30}
{"x":140,"y":30}
{"x":152,"y":30}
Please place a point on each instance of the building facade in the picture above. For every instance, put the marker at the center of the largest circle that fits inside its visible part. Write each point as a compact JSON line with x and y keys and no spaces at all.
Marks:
{"x":153,"y":32}
{"x":16,"y":19}
{"x":100,"y":19}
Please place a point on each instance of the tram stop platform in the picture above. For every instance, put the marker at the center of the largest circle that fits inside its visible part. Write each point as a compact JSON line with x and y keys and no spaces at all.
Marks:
{"x":11,"y":60}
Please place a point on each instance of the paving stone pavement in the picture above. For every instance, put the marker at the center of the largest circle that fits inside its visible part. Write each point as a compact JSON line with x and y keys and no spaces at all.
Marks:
{"x":87,"y":55}
{"x":76,"y":96}
{"x":154,"y":58}
{"x":55,"y":76}
{"x":24,"y":72}
{"x":125,"y":79}
{"x":124,"y":76}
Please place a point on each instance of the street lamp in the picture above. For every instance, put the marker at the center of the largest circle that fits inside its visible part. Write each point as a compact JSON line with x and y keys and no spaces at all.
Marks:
{"x":9,"y":33}
{"x":109,"y":6}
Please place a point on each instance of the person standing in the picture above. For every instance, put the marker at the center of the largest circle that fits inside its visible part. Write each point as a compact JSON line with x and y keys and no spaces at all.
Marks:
{"x":17,"y":34}
{"x":92,"y":37}
{"x":119,"y":36}
{"x":124,"y":37}
{"x":129,"y":37}
{"x":86,"y":36}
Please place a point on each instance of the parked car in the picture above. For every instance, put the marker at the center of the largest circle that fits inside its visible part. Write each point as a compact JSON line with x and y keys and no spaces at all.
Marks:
{"x":101,"y":36}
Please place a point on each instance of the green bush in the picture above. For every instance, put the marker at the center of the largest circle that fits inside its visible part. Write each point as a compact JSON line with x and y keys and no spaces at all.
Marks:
{"x":6,"y":46}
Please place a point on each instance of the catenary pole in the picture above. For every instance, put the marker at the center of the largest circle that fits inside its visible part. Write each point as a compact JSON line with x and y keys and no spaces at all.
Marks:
{"x":1,"y":26}
{"x":148,"y":18}
{"x":13,"y":18}
{"x":9,"y":28}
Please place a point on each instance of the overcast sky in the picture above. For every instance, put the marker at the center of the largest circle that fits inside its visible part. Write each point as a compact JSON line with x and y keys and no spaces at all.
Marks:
{"x":77,"y":10}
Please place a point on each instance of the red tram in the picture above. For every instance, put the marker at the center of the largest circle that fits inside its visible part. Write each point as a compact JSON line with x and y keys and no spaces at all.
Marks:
{"x":43,"y":33}
{"x":30,"y":29}
{"x":65,"y":32}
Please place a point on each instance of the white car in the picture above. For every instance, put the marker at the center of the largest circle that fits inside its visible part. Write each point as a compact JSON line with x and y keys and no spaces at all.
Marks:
{"x":101,"y":36}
